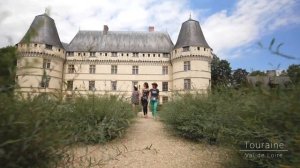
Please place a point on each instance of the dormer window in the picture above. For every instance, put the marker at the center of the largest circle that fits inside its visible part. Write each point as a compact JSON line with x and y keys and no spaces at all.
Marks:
{"x":114,"y":54}
{"x":187,"y":48}
{"x":166,"y":55}
{"x":71,"y":54}
{"x":49,"y":47}
{"x":135,"y":54}
{"x":92,"y":54}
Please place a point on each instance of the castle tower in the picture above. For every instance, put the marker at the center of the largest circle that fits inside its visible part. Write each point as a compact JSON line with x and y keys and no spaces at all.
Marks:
{"x":42,"y":56}
{"x":191,"y":59}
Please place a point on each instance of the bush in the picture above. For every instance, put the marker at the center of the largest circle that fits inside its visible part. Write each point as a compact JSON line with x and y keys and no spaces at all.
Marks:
{"x":95,"y":120}
{"x":232,"y":117}
{"x":37,"y":132}
{"x":27,"y":137}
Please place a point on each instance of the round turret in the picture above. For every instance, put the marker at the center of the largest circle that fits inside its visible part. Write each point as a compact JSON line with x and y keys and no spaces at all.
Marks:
{"x":40,"y":66}
{"x":191,"y":59}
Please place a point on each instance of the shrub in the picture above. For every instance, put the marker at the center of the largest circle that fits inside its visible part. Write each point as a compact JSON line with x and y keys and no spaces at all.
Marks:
{"x":27,"y":137}
{"x":37,"y":132}
{"x":231,"y":117}
{"x":95,"y":119}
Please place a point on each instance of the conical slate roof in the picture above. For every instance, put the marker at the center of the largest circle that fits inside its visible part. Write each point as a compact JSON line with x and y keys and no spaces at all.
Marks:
{"x":191,"y":35}
{"x":42,"y":30}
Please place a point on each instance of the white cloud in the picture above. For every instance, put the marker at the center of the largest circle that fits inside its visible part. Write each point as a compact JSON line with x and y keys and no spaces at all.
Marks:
{"x":70,"y":16}
{"x":228,"y":32}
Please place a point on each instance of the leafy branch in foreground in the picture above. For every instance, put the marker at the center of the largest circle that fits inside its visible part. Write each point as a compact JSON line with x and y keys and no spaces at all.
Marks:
{"x":276,"y":49}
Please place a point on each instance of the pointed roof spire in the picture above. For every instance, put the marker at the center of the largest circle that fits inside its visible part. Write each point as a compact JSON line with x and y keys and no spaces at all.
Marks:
{"x":190,"y":16}
{"x":191,"y":35}
{"x":42,"y":30}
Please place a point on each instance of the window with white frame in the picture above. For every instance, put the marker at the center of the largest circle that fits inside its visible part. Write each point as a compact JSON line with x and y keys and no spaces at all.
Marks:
{"x":187,"y":48}
{"x":69,"y":85}
{"x":114,"y":54}
{"x":92,"y":69}
{"x":71,"y":68}
{"x":46,"y":63}
{"x":165,"y":70}
{"x":187,"y":84}
{"x":114,"y":69}
{"x":114,"y":85}
{"x":135,"y":55}
{"x":92,"y":54}
{"x":135,"y":70}
{"x":92,"y":85}
{"x":165,"y":86}
{"x":187,"y":65}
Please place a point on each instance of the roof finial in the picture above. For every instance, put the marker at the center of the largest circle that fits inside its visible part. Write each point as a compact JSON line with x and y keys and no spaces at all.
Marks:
{"x":190,"y":15}
{"x":47,"y":10}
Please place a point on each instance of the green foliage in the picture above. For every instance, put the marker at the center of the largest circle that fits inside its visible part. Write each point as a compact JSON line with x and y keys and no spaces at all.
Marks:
{"x":8,"y":61}
{"x":230,"y":117}
{"x":258,"y":73}
{"x":95,"y":120}
{"x":239,"y":77}
{"x":293,"y":72}
{"x":38,"y":132}
{"x":220,"y":72}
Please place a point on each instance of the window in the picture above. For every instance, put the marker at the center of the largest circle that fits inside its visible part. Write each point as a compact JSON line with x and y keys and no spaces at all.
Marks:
{"x":165,"y":55}
{"x":70,"y":85}
{"x":114,"y":54}
{"x":79,"y":54}
{"x":153,"y":55}
{"x":165,"y":99}
{"x":49,"y":47}
{"x":71,"y":68}
{"x":92,"y":85}
{"x":187,"y":84}
{"x":105,"y":54}
{"x":45,"y":81}
{"x":143,"y":55}
{"x":135,"y":54}
{"x":187,"y":48}
{"x":46,"y":63}
{"x":158,"y":55}
{"x":165,"y":86}
{"x":114,"y":85}
{"x":135,"y":70}
{"x":114,"y":69}
{"x":71,"y":54}
{"x":148,"y":55}
{"x":92,"y":69}
{"x":122,"y":54}
{"x":198,"y":48}
{"x":92,"y":54}
{"x":35,"y":45}
{"x":187,"y":65}
{"x":165,"y":70}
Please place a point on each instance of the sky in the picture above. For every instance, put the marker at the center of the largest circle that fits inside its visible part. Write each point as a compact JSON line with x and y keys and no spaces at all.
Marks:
{"x":232,"y":28}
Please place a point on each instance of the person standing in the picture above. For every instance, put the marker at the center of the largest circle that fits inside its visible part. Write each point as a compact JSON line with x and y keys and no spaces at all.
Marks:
{"x":144,"y":99}
{"x":154,"y":95}
{"x":135,"y":99}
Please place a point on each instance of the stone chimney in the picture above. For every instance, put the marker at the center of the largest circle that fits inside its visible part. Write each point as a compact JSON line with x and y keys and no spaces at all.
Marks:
{"x":105,"y":29}
{"x":151,"y":29}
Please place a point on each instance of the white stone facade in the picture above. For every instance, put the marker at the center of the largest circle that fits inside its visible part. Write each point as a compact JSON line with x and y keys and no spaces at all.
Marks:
{"x":112,"y":72}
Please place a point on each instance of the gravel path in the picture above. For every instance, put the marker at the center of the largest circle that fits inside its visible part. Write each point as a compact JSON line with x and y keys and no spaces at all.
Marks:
{"x":148,"y":144}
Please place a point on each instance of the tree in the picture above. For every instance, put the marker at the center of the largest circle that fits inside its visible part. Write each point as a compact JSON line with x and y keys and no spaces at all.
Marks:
{"x":8,"y":62}
{"x":239,"y":77}
{"x":293,"y":72}
{"x":257,"y":73}
{"x":220,"y":72}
